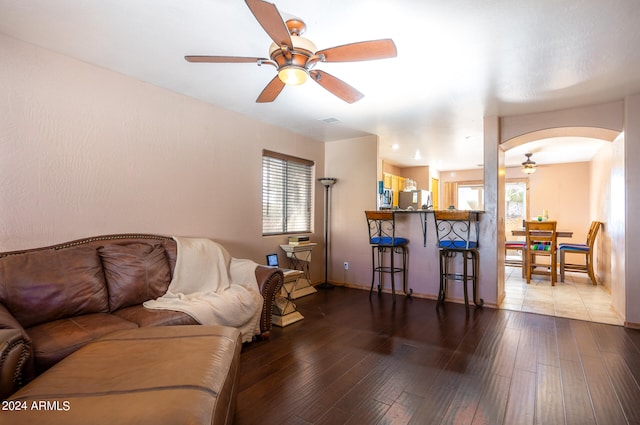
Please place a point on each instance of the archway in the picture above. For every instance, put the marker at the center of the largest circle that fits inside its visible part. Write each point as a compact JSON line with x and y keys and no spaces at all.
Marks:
{"x":574,"y":196}
{"x":604,"y":122}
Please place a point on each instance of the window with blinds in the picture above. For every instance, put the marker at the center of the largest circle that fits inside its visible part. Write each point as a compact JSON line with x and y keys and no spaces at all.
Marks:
{"x":287,"y":184}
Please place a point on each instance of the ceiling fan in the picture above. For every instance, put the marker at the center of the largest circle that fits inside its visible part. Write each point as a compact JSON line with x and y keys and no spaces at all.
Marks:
{"x":295,"y":57}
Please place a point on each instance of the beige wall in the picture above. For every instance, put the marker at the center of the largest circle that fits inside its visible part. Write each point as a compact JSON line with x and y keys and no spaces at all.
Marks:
{"x":354,"y":163}
{"x":564,"y":190}
{"x":626,"y":206}
{"x":604,"y":169}
{"x":85,"y":151}
{"x":461,"y":176}
{"x":420,"y":175}
{"x":391,"y":169}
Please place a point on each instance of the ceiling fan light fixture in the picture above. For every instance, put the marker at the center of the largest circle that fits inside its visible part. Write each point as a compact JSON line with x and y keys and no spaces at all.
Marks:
{"x":294,"y":56}
{"x":293,"y":75}
{"x":529,"y":166}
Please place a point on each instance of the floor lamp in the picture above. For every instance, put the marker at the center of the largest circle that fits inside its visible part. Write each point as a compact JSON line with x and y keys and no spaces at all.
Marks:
{"x":327,"y":182}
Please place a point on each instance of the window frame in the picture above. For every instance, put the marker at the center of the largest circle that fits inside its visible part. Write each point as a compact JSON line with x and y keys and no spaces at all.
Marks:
{"x":287,"y":209}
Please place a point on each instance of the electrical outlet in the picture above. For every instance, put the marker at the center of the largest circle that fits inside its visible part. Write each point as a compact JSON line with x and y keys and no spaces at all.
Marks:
{"x":346,"y":265}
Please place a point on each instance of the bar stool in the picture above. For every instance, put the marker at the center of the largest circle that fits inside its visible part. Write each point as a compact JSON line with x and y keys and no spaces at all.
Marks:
{"x":383,"y":239}
{"x":457,"y":233}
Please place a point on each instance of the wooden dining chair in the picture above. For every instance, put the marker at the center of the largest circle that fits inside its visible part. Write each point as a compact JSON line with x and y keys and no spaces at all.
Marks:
{"x":512,"y":261}
{"x":586,"y":249}
{"x":541,"y":242}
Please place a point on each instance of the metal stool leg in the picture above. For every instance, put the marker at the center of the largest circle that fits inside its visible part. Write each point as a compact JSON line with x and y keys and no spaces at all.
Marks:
{"x":443,"y":273}
{"x":408,"y":291}
{"x":476,"y":266}
{"x":465,"y":277}
{"x":373,"y":268}
{"x":381,"y":251}
{"x":393,"y":273}
{"x":470,"y":267}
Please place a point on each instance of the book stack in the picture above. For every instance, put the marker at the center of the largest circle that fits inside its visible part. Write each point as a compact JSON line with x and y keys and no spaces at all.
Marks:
{"x":298,"y":240}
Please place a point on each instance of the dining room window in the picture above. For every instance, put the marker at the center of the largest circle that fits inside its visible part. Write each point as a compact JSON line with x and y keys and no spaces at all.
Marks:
{"x":287,"y":192}
{"x":516,"y":204}
{"x":470,"y":196}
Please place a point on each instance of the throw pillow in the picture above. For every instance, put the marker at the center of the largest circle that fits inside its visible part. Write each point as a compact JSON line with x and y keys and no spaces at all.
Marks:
{"x":134,"y":272}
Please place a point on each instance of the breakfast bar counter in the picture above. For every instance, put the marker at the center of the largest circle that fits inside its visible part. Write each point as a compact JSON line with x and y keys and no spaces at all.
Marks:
{"x":423,"y":267}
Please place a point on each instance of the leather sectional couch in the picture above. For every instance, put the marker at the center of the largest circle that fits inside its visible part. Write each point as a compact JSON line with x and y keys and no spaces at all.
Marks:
{"x":56,"y":299}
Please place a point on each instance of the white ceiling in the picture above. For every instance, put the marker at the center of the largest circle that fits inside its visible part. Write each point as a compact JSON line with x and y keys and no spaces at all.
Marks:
{"x":458,"y":61}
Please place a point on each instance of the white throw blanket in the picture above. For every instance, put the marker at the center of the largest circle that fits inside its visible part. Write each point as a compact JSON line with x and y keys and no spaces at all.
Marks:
{"x":213,"y":288}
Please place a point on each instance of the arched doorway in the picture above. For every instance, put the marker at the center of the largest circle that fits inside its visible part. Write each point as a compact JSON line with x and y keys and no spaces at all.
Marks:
{"x":600,"y":121}
{"x":574,"y":196}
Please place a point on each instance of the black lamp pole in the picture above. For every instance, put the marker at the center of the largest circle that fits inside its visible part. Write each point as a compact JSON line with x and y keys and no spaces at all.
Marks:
{"x":327,"y":182}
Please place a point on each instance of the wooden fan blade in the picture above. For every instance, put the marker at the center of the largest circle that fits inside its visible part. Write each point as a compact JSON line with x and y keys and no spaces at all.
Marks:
{"x":336,"y":86}
{"x":223,"y":59}
{"x":271,"y":91}
{"x":268,"y":16}
{"x":361,"y":51}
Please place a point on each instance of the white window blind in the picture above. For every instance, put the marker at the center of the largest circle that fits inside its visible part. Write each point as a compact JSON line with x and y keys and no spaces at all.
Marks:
{"x":287,"y":184}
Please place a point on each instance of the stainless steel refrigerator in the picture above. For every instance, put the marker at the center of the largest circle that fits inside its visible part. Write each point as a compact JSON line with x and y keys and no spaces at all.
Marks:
{"x":416,"y":199}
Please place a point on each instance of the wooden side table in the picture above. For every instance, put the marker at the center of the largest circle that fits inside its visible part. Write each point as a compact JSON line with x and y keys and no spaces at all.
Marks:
{"x":299,"y":257}
{"x":285,"y":311}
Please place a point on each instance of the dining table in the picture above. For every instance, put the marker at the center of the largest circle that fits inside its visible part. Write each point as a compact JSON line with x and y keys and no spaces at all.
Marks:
{"x":559,"y":233}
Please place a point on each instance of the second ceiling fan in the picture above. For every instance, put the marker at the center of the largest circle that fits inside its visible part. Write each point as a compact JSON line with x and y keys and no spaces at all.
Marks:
{"x":295,"y":57}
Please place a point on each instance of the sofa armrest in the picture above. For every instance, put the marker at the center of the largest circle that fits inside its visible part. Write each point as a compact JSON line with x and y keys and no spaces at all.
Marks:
{"x":14,"y":352}
{"x":269,"y":281}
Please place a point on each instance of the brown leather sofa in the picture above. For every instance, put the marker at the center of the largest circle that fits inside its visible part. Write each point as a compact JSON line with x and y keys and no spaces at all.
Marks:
{"x":152,"y":375}
{"x":57,"y":299}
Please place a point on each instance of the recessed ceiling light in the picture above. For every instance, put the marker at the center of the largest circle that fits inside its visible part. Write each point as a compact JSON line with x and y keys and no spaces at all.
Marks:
{"x":417,"y":155}
{"x":395,"y":146}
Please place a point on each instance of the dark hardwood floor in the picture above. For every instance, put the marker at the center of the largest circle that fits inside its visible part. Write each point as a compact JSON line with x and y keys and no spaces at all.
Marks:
{"x":355,"y":360}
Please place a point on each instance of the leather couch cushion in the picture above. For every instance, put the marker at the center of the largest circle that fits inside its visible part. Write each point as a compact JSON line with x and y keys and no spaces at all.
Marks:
{"x":157,"y":375}
{"x":49,"y":285}
{"x":134,"y":272}
{"x":148,"y":317}
{"x":53,"y":341}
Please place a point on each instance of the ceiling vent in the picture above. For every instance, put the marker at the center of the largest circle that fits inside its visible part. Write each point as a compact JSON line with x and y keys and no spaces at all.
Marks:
{"x":330,"y":120}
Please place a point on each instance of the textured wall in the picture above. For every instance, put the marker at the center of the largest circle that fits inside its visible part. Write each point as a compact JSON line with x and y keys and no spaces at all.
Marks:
{"x":85,"y":151}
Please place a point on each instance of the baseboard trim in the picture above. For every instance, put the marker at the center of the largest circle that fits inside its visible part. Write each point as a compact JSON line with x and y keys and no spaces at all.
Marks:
{"x":631,"y":325}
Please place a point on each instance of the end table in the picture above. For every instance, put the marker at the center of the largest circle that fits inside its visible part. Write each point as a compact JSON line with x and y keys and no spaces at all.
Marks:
{"x":285,"y":311}
{"x":299,"y":257}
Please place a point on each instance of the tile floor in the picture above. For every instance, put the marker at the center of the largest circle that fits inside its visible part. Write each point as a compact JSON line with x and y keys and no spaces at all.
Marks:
{"x":575,"y":298}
